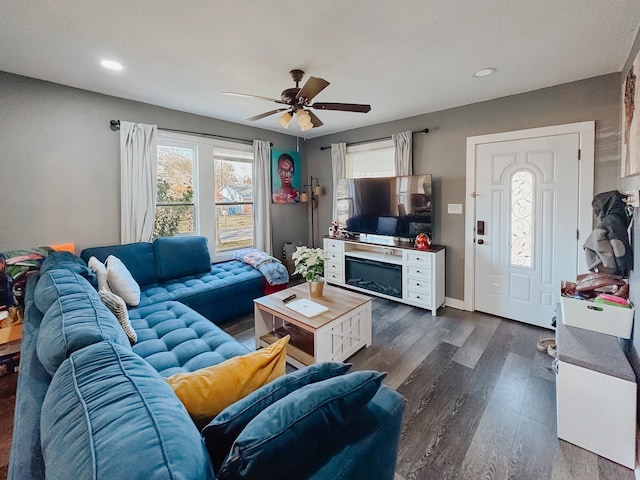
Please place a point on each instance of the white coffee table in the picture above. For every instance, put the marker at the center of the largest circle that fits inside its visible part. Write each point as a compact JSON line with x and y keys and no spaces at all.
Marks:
{"x":332,"y":336}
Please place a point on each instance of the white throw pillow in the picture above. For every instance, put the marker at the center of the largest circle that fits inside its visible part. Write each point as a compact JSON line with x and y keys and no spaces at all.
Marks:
{"x":119,"y":309}
{"x":121,"y":282}
{"x":101,"y":272}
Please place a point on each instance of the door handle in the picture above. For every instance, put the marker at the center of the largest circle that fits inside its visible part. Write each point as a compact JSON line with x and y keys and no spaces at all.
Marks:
{"x":480,"y":241}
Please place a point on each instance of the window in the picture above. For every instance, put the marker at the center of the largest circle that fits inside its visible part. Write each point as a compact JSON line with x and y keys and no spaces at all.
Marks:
{"x":375,"y":159}
{"x":205,"y":187}
{"x":234,"y":199}
{"x":174,"y":201}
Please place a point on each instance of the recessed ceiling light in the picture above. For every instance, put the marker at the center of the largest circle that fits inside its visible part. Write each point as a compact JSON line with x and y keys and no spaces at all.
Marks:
{"x":484,"y":72}
{"x":111,"y":64}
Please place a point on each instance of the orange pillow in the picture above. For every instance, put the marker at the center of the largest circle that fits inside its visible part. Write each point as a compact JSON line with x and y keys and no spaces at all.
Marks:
{"x":208,"y":391}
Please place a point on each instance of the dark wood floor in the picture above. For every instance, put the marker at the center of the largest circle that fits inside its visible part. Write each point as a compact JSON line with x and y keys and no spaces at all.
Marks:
{"x":481,"y":397}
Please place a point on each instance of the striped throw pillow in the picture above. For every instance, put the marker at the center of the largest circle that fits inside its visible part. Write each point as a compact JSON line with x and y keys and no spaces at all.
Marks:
{"x":119,"y":309}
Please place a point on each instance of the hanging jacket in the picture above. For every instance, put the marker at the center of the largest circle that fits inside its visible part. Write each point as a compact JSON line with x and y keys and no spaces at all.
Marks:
{"x":607,"y":248}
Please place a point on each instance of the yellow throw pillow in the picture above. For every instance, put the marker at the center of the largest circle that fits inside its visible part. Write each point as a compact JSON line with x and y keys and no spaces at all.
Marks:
{"x":208,"y":391}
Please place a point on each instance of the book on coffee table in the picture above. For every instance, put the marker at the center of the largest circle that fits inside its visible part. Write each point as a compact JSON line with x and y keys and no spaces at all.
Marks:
{"x":306,"y":307}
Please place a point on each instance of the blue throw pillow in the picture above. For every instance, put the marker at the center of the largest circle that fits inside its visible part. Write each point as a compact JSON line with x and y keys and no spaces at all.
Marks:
{"x":222,"y":431}
{"x":181,"y":256}
{"x":291,"y":431}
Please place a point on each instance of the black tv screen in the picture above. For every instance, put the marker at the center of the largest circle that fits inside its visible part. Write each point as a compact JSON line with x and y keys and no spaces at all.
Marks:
{"x":394,"y":206}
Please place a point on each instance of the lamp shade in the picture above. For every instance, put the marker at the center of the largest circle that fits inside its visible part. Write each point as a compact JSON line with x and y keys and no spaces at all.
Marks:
{"x":304,"y":197}
{"x":285,"y":119}
{"x":304,"y":119}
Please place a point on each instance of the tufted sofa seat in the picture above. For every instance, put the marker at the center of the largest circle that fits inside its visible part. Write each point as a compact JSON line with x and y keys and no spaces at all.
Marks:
{"x":173,"y":338}
{"x":206,"y":292}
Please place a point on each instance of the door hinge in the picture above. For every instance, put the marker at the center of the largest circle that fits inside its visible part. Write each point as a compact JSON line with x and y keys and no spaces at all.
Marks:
{"x":578,"y":234}
{"x":579,"y":154}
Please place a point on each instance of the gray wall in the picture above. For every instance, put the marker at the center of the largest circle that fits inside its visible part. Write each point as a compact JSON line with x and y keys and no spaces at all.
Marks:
{"x":59,"y":178}
{"x":442,"y":151}
{"x":60,"y":160}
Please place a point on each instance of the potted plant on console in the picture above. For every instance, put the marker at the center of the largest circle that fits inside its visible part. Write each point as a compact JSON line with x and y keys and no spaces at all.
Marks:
{"x":309,"y":263}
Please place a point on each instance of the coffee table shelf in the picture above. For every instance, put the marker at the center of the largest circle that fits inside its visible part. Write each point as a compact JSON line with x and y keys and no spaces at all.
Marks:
{"x":332,"y":336}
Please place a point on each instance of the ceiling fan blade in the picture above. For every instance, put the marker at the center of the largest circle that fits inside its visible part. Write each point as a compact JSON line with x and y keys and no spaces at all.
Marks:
{"x":246,"y":95}
{"x":266,"y":114}
{"x":314,"y":119}
{"x":313,"y":87}
{"x":343,"y":107}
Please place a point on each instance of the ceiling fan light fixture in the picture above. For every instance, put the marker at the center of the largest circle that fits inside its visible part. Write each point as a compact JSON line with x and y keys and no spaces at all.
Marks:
{"x":306,"y":126}
{"x":304,"y":119}
{"x":285,"y":119}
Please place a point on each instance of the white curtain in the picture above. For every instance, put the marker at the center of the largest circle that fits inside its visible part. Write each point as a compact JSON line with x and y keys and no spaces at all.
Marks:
{"x":338,"y":168}
{"x":262,"y":196}
{"x":138,"y":177}
{"x":402,"y":144}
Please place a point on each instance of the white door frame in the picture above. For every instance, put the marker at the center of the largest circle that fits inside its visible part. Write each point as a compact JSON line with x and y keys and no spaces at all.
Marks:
{"x":586,"y":131}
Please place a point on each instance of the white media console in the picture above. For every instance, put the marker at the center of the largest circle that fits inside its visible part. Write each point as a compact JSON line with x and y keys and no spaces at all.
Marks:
{"x":388,"y":268}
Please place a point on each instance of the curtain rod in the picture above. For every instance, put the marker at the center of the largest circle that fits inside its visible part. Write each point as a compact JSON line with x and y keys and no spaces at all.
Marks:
{"x":426,"y":130}
{"x":115,"y":125}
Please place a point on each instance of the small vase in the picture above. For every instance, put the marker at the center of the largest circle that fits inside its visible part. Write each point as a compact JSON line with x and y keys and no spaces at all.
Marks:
{"x":315,"y":288}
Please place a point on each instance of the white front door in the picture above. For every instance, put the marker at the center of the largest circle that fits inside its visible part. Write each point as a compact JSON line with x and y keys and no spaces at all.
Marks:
{"x":526,"y":224}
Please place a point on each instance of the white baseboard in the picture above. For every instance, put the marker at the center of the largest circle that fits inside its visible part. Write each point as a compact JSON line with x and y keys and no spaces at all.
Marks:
{"x":454,"y":303}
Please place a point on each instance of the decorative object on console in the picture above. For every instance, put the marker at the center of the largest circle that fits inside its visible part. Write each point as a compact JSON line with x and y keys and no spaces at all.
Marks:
{"x":422,"y":241}
{"x":309,"y":263}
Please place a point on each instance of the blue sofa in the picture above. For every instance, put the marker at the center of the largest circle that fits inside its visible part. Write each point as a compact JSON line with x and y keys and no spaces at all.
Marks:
{"x":90,"y":405}
{"x":180,"y":268}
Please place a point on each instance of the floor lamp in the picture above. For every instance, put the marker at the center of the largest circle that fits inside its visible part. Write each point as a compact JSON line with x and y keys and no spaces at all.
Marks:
{"x":312,"y":198}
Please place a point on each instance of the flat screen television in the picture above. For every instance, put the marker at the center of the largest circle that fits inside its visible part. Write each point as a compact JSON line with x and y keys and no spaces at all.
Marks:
{"x":392,"y":206}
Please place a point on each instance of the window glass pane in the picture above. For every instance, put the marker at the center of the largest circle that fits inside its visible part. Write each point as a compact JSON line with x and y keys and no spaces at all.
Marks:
{"x":174,"y":202}
{"x":234,"y":203}
{"x":173,"y":220}
{"x":234,"y":227}
{"x":522,"y":201}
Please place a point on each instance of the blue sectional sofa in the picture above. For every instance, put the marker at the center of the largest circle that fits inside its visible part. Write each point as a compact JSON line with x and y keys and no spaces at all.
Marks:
{"x":90,"y":405}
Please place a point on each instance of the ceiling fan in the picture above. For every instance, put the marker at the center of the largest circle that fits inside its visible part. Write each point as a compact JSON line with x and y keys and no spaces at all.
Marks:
{"x":298,"y":101}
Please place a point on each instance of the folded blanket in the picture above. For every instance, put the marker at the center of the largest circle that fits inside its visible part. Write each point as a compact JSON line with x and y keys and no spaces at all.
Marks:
{"x":272,"y":268}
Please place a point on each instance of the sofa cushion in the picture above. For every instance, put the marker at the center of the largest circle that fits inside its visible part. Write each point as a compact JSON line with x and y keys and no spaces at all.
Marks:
{"x":138,"y":257}
{"x":294,"y":429}
{"x":119,"y":309}
{"x":121,"y":282}
{"x":223,"y":430}
{"x":69,"y":261}
{"x":208,"y":391}
{"x":181,"y":256}
{"x":72,"y":322}
{"x":108,"y":414}
{"x":54,"y":283}
{"x":101,"y":272}
{"x":173,"y":338}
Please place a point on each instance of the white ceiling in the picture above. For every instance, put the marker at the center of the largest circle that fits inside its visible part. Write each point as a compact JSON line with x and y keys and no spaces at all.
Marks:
{"x":404,"y":57}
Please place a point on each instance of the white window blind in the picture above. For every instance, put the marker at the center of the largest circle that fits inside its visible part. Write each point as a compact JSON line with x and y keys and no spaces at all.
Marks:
{"x":375,"y":159}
